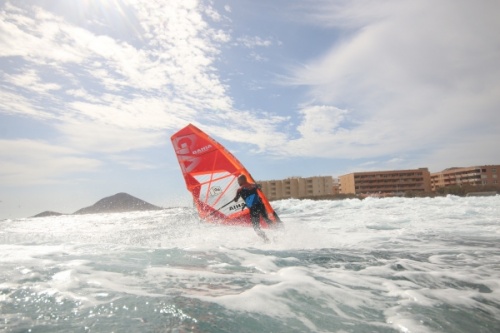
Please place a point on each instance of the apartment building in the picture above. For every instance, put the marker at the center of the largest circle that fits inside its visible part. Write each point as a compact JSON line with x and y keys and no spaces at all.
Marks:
{"x":336,"y":186}
{"x":298,"y":187}
{"x":394,"y":182}
{"x":483,"y":175}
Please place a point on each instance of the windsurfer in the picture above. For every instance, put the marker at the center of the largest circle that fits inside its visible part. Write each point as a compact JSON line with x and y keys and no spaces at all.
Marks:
{"x":248,"y":191}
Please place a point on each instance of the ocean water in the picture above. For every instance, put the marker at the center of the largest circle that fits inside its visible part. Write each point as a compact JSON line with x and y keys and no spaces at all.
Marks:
{"x":377,"y":265}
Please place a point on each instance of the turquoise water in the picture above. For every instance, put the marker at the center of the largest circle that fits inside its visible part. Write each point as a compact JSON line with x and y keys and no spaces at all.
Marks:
{"x":377,"y":265}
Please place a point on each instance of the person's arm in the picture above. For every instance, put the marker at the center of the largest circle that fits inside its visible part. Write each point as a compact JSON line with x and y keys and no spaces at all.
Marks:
{"x":238,"y":194}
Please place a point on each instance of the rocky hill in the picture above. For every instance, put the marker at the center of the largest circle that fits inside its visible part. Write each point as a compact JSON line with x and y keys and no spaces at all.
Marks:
{"x":48,"y":213}
{"x":120,"y":202}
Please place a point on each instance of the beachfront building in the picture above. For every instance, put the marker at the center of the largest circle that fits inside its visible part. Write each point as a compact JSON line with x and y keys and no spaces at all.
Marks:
{"x":483,"y":175}
{"x":336,"y":186}
{"x":298,"y":187}
{"x":395,"y":182}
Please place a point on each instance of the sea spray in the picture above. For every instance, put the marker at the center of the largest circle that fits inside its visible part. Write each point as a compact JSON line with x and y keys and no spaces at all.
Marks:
{"x":376,"y":265}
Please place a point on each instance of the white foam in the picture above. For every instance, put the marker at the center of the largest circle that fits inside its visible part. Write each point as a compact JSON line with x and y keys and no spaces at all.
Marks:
{"x":345,"y":259}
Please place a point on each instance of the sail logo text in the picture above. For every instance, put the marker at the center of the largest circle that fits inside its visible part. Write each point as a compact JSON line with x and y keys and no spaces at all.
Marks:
{"x":215,"y":190}
{"x":240,"y":205}
{"x":201,"y":150}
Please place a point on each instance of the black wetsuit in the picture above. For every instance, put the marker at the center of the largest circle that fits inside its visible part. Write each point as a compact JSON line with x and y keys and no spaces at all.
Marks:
{"x":254,"y":203}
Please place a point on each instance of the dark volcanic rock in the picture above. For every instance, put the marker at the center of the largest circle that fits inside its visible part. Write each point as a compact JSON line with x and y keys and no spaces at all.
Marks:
{"x":48,"y":213}
{"x":121,"y":202}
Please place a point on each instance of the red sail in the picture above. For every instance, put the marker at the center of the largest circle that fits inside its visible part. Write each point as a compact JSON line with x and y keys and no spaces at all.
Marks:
{"x":210,"y":172}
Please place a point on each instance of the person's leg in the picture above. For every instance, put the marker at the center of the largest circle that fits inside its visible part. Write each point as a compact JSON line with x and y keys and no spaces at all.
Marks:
{"x":255,"y":216}
{"x":262,"y":211}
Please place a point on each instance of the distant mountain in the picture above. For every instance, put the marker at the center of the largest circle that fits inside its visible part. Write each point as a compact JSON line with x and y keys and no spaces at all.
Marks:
{"x":48,"y":213}
{"x":121,"y":202}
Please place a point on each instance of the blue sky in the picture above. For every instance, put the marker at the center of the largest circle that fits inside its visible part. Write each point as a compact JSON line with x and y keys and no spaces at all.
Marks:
{"x":92,"y":90}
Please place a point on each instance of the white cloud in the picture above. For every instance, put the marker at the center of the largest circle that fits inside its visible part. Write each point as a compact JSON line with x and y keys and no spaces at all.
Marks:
{"x":133,"y":162}
{"x":15,"y":104}
{"x":31,"y":162}
{"x":403,"y":77}
{"x":320,"y":132}
{"x":105,"y":91}
{"x":258,"y":57}
{"x":31,"y":80}
{"x":412,"y":75}
{"x":82,"y":94}
{"x":463,"y":151}
{"x":94,"y":137}
{"x":31,"y":34}
{"x":176,"y":57}
{"x":396,"y":160}
{"x":256,"y":128}
{"x":254,"y":41}
{"x":163,"y":80}
{"x":320,"y":120}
